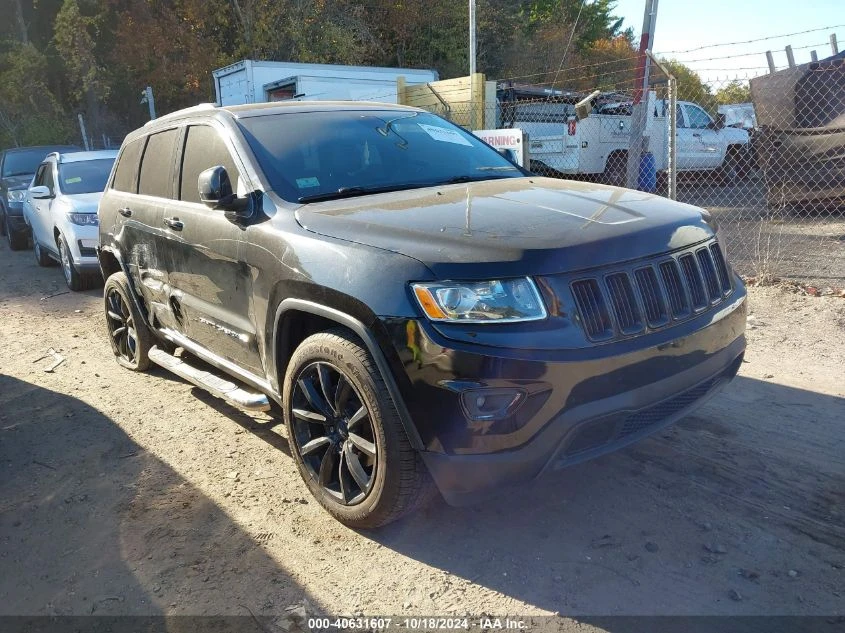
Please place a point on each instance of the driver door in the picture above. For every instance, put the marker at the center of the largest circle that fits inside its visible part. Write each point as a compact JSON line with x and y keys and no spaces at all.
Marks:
{"x":710,"y":151}
{"x":209,"y":283}
{"x":37,"y":210}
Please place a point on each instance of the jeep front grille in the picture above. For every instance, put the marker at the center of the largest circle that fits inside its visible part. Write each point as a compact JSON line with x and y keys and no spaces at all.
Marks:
{"x":626,"y":301}
{"x":594,"y":314}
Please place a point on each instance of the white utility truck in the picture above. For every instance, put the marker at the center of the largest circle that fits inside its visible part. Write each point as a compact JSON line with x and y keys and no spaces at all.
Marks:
{"x":597,"y":146}
{"x":253,"y":81}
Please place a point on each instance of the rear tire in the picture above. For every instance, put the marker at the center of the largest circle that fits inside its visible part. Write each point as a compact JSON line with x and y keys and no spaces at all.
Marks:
{"x":129,"y":336}
{"x":616,"y":169}
{"x":362,"y":484}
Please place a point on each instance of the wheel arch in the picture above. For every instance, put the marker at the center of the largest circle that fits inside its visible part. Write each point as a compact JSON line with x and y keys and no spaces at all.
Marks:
{"x":111,"y":262}
{"x":291,"y":313}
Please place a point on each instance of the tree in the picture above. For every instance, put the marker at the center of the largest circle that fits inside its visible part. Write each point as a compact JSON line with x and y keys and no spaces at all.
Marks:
{"x":29,"y":112}
{"x":690,"y":85}
{"x":735,"y":91}
{"x":74,"y":39}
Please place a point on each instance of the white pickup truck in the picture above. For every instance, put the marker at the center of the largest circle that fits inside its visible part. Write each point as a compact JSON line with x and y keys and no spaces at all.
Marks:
{"x":597,"y":146}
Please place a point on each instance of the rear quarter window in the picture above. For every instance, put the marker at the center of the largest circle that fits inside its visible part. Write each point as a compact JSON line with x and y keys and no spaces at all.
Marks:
{"x":126,"y":174}
{"x":156,"y":173}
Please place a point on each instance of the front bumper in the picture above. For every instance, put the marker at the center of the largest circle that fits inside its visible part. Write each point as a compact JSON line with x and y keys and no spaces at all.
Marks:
{"x":82,"y":241}
{"x":576,"y":409}
{"x":14,"y":216}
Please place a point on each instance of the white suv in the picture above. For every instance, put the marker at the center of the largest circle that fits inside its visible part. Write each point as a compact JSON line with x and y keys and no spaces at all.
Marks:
{"x":61,"y":209}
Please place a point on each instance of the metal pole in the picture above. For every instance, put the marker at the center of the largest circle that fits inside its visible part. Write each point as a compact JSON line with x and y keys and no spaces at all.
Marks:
{"x":471,"y":37}
{"x":151,"y":102}
{"x":84,"y":133}
{"x":640,"y":111}
{"x":814,"y":56}
{"x":771,"y":61}
{"x":671,"y":142}
{"x":790,"y":58}
{"x":834,"y":45}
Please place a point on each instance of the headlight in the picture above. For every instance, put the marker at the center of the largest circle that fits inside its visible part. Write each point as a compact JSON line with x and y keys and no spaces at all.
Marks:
{"x":16,"y":195}
{"x":83,"y":219}
{"x":498,"y":301}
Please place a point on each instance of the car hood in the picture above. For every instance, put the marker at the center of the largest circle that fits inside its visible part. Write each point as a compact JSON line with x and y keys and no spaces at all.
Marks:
{"x":17,"y":182}
{"x":82,"y":202}
{"x":520,"y":225}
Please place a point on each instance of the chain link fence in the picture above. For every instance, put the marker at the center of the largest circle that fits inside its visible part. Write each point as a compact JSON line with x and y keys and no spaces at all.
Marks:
{"x":769,"y":167}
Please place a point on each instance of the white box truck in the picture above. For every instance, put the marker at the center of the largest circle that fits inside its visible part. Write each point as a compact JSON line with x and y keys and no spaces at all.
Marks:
{"x":252,"y":81}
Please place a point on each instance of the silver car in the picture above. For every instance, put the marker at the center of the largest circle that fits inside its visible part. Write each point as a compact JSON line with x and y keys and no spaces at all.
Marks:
{"x":61,"y":209}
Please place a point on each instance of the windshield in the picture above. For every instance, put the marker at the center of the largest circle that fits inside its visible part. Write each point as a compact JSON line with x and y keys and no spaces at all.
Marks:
{"x":87,"y":176}
{"x":23,"y":163}
{"x":322,"y":155}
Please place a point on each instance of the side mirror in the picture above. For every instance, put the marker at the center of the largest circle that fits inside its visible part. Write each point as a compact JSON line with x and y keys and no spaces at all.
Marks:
{"x":214,"y":186}
{"x":40,"y":192}
{"x":215,"y":189}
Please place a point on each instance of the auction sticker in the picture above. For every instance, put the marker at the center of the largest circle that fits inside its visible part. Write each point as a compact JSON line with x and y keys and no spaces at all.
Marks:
{"x":444,"y":135}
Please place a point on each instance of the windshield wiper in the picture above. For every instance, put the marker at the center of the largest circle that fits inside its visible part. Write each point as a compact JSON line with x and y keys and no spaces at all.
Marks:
{"x":500,"y":168}
{"x":460,"y":179}
{"x":351,"y":192}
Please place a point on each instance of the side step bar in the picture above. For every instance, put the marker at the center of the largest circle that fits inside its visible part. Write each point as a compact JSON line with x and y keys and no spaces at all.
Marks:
{"x":229,"y":391}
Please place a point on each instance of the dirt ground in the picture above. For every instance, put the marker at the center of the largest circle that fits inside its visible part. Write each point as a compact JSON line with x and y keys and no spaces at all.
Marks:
{"x":794,"y":242}
{"x":123,"y":493}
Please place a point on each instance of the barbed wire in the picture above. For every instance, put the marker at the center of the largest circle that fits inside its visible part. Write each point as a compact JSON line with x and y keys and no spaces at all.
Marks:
{"x":712,"y":59}
{"x":761,"y":39}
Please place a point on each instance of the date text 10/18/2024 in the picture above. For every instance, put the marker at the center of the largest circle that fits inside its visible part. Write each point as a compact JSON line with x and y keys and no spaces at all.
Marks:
{"x":415,"y":624}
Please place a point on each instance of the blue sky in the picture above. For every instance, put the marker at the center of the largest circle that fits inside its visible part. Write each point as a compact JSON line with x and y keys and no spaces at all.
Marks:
{"x":684,"y":25}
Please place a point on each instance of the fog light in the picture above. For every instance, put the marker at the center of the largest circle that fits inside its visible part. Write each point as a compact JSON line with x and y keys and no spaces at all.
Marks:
{"x":491,"y":404}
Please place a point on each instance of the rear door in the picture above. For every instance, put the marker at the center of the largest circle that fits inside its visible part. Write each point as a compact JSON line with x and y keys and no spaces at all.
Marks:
{"x":140,"y":190}
{"x":209,"y":283}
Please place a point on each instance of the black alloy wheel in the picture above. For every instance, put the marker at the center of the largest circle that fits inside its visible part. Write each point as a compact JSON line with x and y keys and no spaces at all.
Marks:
{"x":128,"y":334}
{"x":334,"y":434}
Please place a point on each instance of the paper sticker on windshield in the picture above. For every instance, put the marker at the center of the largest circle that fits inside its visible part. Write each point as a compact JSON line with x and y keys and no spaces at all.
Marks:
{"x":304,"y":183}
{"x":73,"y":181}
{"x":444,"y":135}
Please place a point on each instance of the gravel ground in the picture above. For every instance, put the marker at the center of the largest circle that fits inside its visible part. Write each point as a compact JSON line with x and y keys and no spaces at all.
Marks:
{"x":126,"y":493}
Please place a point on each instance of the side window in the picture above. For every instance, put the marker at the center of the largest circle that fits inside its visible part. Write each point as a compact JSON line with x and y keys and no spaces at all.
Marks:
{"x":698,"y":118}
{"x":39,"y":175}
{"x":126,"y":174}
{"x":204,"y":148}
{"x":679,"y":116}
{"x":49,"y":181}
{"x":156,"y":173}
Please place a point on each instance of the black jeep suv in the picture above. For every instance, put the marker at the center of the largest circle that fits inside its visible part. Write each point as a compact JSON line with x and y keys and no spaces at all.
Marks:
{"x":17,"y":167}
{"x":427,"y":315}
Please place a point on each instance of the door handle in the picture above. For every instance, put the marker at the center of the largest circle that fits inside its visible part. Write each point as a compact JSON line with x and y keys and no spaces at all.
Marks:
{"x":125,"y":212}
{"x":174,"y":223}
{"x":697,"y":135}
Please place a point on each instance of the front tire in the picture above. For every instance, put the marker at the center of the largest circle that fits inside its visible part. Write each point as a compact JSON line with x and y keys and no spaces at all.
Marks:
{"x":41,"y":255}
{"x":130,"y":338}
{"x":346,"y":436}
{"x":17,"y":241}
{"x":75,"y":280}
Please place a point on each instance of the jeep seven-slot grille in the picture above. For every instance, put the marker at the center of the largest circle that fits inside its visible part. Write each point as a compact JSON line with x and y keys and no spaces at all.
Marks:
{"x":594,"y":313}
{"x":619,"y":303}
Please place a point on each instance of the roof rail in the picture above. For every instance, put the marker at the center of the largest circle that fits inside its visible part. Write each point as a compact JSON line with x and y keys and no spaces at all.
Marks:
{"x":178,"y":113}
